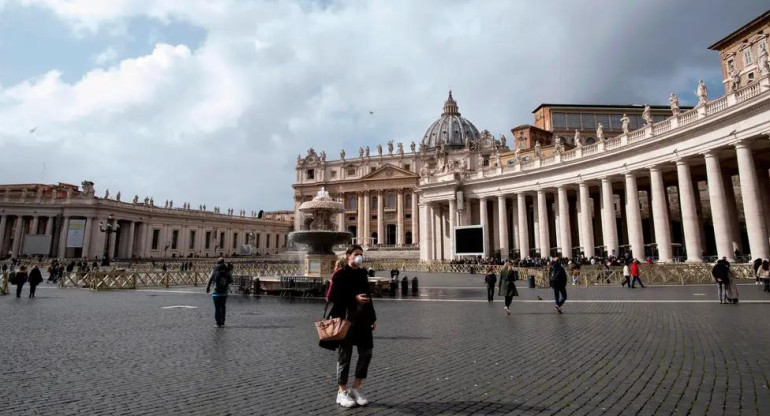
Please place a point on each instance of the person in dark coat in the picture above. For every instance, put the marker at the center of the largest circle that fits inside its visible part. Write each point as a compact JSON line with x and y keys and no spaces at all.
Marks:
{"x":405,"y":286}
{"x":557,"y":277}
{"x":352,"y":299}
{"x":490,"y":279}
{"x":222,"y":273}
{"x":415,"y":290}
{"x":19,"y":279}
{"x":507,"y":287}
{"x":35,"y":278}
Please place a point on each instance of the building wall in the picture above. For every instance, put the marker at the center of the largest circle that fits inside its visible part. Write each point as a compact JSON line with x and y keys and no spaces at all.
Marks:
{"x":741,"y":50}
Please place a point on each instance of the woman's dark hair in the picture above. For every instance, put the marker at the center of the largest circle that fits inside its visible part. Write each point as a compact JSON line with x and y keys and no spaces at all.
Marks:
{"x":352,"y":248}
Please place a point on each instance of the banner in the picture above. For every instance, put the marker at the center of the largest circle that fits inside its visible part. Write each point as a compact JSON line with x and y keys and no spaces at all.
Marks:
{"x":76,"y":232}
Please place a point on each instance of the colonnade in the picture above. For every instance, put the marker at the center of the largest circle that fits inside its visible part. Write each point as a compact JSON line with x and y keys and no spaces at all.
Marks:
{"x":402,"y":212}
{"x":602,"y":216}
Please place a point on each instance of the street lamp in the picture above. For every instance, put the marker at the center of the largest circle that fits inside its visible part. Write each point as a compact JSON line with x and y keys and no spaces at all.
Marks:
{"x":110,"y":227}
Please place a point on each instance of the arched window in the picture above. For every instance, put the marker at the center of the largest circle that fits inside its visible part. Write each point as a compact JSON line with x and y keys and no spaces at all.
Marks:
{"x":590,"y":140}
{"x":373,"y":202}
{"x":390,"y":201}
{"x":352,"y":202}
{"x":408,"y":237}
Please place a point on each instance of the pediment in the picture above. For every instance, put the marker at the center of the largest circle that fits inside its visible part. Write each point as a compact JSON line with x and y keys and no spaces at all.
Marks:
{"x":389,"y":171}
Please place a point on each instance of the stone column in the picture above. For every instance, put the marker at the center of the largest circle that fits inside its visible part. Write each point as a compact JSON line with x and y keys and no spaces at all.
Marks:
{"x":3,"y":224}
{"x":438,"y":233}
{"x":360,"y":218}
{"x":687,"y":203}
{"x":87,"y":238}
{"x":732,"y":213}
{"x":718,"y":206}
{"x":130,"y":245}
{"x":609,"y":223}
{"x":35,"y":224}
{"x":634,"y":218}
{"x":564,"y":222}
{"x":554,"y":207}
{"x":380,"y":219}
{"x":113,"y":240}
{"x":542,"y":214}
{"x":502,"y":219}
{"x":452,"y":225}
{"x":521,"y":200}
{"x":17,"y":232}
{"x":484,"y":219}
{"x":49,"y":225}
{"x":367,"y":216}
{"x":586,"y":222}
{"x":426,"y":241}
{"x":752,"y":202}
{"x":400,"y":232}
{"x":660,"y":219}
{"x":63,"y":238}
{"x":415,"y":220}
{"x":515,"y":225}
{"x":536,"y":223}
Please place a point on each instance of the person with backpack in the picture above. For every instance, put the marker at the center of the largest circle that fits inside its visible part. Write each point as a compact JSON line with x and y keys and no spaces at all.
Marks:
{"x":35,"y":278}
{"x":557,"y":277}
{"x":221,"y":278}
{"x":19,"y":279}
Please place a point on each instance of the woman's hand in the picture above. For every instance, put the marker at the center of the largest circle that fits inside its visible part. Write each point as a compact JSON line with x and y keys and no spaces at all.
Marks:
{"x":362,"y":299}
{"x":374,"y":326}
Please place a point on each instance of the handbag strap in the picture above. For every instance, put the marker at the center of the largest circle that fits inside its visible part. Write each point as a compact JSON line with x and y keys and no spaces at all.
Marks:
{"x":327,"y":307}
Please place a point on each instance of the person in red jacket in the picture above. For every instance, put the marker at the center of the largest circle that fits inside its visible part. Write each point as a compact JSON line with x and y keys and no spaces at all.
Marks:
{"x":635,"y":274}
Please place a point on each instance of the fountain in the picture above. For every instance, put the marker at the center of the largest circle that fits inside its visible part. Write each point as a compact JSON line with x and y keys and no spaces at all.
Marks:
{"x":318,"y":234}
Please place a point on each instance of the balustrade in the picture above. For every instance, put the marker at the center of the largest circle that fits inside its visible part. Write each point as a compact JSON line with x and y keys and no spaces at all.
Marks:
{"x":612,"y":143}
{"x":662,"y":127}
{"x":747,"y":92}
{"x":716,"y":106}
{"x":636,"y":135}
{"x":569,"y":155}
{"x":591,"y":149}
{"x":688,"y":117}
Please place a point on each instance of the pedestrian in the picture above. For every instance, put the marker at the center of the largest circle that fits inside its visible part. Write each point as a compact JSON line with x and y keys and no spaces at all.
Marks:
{"x":557,"y":277}
{"x":352,"y":299}
{"x":507,"y":287}
{"x":393,"y":286}
{"x":764,"y":274}
{"x":405,"y":286}
{"x":339,"y":265}
{"x":19,"y":279}
{"x":221,"y":278}
{"x":719,"y":271}
{"x":626,"y":276}
{"x":415,"y":282}
{"x":635,"y":274}
{"x":731,"y":288}
{"x":757,"y":263}
{"x":35,"y":278}
{"x":490,"y":279}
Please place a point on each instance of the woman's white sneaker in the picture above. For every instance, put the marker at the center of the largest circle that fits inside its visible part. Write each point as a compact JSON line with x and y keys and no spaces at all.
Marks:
{"x":344,"y":399}
{"x":358,"y":397}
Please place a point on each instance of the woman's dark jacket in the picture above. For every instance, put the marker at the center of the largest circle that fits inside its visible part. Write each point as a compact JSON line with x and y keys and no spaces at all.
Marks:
{"x":557,"y":277}
{"x":35,"y":277}
{"x":20,"y":278}
{"x":346,"y":284}
{"x":507,"y":287}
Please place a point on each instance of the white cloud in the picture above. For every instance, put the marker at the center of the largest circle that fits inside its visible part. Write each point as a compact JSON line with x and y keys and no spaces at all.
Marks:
{"x":222,"y":124}
{"x":106,"y":56}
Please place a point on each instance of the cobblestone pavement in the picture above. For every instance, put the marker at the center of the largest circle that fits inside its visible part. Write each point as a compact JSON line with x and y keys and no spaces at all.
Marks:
{"x":73,"y":351}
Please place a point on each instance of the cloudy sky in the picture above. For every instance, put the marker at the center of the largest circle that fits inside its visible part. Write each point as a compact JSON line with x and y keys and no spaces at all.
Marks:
{"x":211,"y":101}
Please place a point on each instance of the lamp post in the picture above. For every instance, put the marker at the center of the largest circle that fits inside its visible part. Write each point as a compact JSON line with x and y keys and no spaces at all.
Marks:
{"x":110,"y":227}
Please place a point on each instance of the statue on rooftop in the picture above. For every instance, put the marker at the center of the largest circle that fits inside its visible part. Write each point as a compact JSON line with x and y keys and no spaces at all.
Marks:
{"x":702,"y":93}
{"x":674,"y":102}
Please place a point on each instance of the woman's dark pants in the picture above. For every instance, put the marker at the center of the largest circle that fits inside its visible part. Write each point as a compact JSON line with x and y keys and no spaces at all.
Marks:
{"x":219,"y":309}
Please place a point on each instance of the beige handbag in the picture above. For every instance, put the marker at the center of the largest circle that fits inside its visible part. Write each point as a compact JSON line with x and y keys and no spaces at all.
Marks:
{"x":332,"y":329}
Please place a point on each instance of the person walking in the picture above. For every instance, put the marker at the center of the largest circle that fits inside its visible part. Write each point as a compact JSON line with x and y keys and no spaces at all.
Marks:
{"x":507,"y":287}
{"x":490,"y":279}
{"x":763,"y":273}
{"x":404,"y":286}
{"x":557,"y":278}
{"x":19,"y":279}
{"x":757,"y":264}
{"x":626,"y":276}
{"x":635,"y":274}
{"x":35,"y":278}
{"x":719,"y":271}
{"x":731,"y":287}
{"x":220,"y":278}
{"x":351,"y":298}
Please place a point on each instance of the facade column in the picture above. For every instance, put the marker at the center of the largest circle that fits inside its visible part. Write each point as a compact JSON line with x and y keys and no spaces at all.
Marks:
{"x":415,"y":220}
{"x":367,"y":217}
{"x":35,"y":224}
{"x":63,"y":238}
{"x":3,"y":224}
{"x":438,"y":235}
{"x":586,"y":222}
{"x":718,"y":206}
{"x":556,"y":223}
{"x":564,"y":222}
{"x":692,"y":240}
{"x":732,"y":213}
{"x":609,"y":223}
{"x":400,"y":232}
{"x":49,"y":225}
{"x":502,"y":219}
{"x":130,"y":245}
{"x":521,"y":200}
{"x":87,"y":238}
{"x":752,"y":202}
{"x":380,"y":219}
{"x":452,"y":225}
{"x":542,"y":209}
{"x":484,"y":219}
{"x":536,"y":223}
{"x":113,"y":242}
{"x":515,"y":225}
{"x":17,"y":231}
{"x":634,"y":218}
{"x":360,"y":219}
{"x":426,"y":242}
{"x":660,"y":218}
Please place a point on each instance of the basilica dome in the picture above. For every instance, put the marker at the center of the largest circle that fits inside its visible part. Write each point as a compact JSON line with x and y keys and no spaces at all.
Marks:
{"x":450,"y":129}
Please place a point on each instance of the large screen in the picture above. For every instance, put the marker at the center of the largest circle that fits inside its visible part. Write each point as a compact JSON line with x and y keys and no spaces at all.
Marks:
{"x":469,"y":240}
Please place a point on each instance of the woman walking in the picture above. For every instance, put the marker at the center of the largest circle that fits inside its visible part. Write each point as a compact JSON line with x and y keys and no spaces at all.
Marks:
{"x":731,"y":289}
{"x":351,"y":298}
{"x":35,"y":278}
{"x":763,"y":273}
{"x":19,"y":279}
{"x":626,"y":276}
{"x":507,"y":287}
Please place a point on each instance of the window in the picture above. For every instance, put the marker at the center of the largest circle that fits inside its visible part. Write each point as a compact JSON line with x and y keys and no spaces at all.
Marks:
{"x":192,"y":241}
{"x":658,"y":119}
{"x":615,"y":123}
{"x":235,"y":240}
{"x":573,"y":121}
{"x":390,"y":201}
{"x":730,"y":65}
{"x":589,"y":121}
{"x":351,"y":172}
{"x":407,"y":167}
{"x":408,"y":201}
{"x":590,"y":140}
{"x":510,"y":161}
{"x":485,"y":161}
{"x":207,"y":244}
{"x":221,"y":240}
{"x":267,"y":241}
{"x":276,"y":241}
{"x":174,"y":239}
{"x":155,"y":239}
{"x":751,"y":77}
{"x":310,"y":174}
{"x":747,"y":57}
{"x":256,"y":241}
{"x":559,"y":121}
{"x":334,"y":174}
{"x":352,"y":202}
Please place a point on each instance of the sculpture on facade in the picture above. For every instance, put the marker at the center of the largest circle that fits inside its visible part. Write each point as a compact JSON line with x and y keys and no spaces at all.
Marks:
{"x":600,"y":133}
{"x":702,"y":93}
{"x":424,"y":170}
{"x":763,"y":64}
{"x":557,"y":143}
{"x":361,"y":152}
{"x":412,"y":146}
{"x":502,"y":140}
{"x":578,"y":139}
{"x":39,"y":194}
{"x":165,"y":205}
{"x":647,"y":115}
{"x":400,"y":150}
{"x":379,"y":150}
{"x":517,"y":152}
{"x":390,"y":147}
{"x":538,"y":150}
{"x":674,"y":102}
{"x":366,"y":151}
{"x":147,"y":200}
{"x":117,"y":196}
{"x":152,"y":202}
{"x":735,"y":79}
{"x":299,"y":158}
{"x":171,"y":204}
{"x":342,"y":154}
{"x":625,"y":121}
{"x":136,"y":199}
{"x":323,"y":156}
{"x":498,"y":160}
{"x":88,"y":188}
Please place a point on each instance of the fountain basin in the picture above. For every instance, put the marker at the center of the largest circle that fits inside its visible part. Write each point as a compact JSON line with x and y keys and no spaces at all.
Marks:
{"x":319,"y":241}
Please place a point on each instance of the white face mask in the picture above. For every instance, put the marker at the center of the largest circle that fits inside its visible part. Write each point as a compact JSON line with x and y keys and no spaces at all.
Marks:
{"x":358,"y":260}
